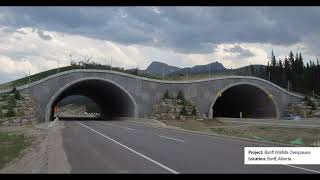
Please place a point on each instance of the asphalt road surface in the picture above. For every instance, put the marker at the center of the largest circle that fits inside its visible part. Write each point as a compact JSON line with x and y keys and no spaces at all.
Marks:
{"x":128,"y":147}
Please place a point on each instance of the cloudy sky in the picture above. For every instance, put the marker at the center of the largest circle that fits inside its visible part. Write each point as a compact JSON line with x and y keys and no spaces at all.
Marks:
{"x":37,"y":37}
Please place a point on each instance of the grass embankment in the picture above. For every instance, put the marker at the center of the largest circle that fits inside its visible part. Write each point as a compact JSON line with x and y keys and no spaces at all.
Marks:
{"x":286,"y":135}
{"x":41,"y":75}
{"x":11,"y":146}
{"x":176,"y":77}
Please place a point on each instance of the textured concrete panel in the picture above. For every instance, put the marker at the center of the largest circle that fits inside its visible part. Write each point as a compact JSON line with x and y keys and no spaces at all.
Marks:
{"x":147,"y":92}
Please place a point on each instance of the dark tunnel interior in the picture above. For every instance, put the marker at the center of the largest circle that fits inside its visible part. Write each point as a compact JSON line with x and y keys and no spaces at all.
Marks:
{"x":112,"y":101}
{"x":250,"y":100}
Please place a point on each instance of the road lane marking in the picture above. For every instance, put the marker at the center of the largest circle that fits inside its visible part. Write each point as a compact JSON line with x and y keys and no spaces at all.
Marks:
{"x":227,"y":139}
{"x":213,"y":136}
{"x":297,"y":167}
{"x":171,"y":138}
{"x":128,"y":148}
{"x":110,"y":124}
{"x":130,"y":129}
{"x":53,"y":122}
{"x":160,"y":122}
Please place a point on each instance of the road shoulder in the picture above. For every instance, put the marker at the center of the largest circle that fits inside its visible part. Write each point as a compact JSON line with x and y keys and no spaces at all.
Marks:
{"x":46,"y":155}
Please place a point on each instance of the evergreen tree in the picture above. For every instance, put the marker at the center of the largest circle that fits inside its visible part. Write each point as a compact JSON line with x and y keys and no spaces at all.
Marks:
{"x":291,"y":60}
{"x":183,"y":110}
{"x":273,"y":60}
{"x":267,"y":71}
{"x":296,"y":63}
{"x":302,"y":78}
{"x":166,"y":95}
{"x":17,"y":95}
{"x":194,"y":111}
{"x":286,"y":67}
{"x":280,"y":66}
{"x":181,"y":96}
{"x":300,"y":64}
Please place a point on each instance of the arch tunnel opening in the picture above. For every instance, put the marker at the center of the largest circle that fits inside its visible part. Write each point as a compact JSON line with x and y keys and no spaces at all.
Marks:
{"x":244,"y":100}
{"x":110,"y":101}
{"x":77,"y":106}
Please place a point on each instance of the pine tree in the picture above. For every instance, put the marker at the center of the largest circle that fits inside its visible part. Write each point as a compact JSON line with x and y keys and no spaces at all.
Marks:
{"x":194,"y":111}
{"x":300,"y":64}
{"x":273,"y":60}
{"x":181,"y":96}
{"x":183,"y":111}
{"x":291,"y":60}
{"x":280,"y":65}
{"x":267,"y":70}
{"x":286,"y":67}
{"x":166,"y":95}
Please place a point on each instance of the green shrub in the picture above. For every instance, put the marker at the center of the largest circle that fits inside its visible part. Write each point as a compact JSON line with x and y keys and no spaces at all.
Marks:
{"x":17,"y":95}
{"x":307,"y":98}
{"x":12,"y":102}
{"x":310,"y":103}
{"x":181,"y":96}
{"x":166,"y":95}
{"x":194,"y":111}
{"x":14,"y":89}
{"x":183,"y":111}
{"x":313,"y":106}
{"x":10,"y":113}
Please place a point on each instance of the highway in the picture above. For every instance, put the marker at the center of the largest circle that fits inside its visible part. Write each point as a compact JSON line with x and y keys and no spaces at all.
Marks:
{"x":128,"y":147}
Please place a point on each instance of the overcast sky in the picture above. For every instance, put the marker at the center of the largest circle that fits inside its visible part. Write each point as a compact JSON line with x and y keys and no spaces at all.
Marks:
{"x":36,"y":37}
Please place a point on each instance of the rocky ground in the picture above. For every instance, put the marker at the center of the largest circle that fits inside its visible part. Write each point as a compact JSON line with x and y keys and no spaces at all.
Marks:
{"x":304,"y":109}
{"x":171,"y":109}
{"x":25,"y":111}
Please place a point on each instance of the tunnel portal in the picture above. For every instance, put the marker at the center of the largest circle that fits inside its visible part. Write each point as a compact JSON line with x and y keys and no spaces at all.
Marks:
{"x":113,"y":101}
{"x":244,"y":100}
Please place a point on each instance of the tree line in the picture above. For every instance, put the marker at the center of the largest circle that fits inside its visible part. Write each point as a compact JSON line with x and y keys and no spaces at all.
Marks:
{"x":292,"y":73}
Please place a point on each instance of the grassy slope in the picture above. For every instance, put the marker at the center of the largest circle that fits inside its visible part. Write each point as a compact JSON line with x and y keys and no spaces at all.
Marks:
{"x":41,"y":75}
{"x":11,"y":146}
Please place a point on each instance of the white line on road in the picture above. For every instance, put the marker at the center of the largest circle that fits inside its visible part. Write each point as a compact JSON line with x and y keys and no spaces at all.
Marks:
{"x":110,"y":124}
{"x":53,"y":122}
{"x":159,"y":122}
{"x":301,"y":168}
{"x":130,"y":129}
{"x":171,"y":138}
{"x":155,"y":162}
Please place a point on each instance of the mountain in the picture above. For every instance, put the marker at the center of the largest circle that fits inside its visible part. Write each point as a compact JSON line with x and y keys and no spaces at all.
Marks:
{"x":158,"y":68}
{"x":200,"y":69}
{"x":245,"y":71}
{"x":155,"y":68}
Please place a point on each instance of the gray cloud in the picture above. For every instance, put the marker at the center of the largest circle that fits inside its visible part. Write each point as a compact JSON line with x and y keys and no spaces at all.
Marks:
{"x":44,"y":36}
{"x":239,"y":51}
{"x":183,"y":29}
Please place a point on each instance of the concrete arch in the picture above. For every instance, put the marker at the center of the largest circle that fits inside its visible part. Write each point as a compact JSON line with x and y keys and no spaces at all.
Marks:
{"x":275,"y":105}
{"x":48,"y":111}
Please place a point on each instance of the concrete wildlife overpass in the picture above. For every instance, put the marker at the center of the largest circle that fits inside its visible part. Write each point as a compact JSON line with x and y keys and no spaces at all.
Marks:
{"x":123,"y":95}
